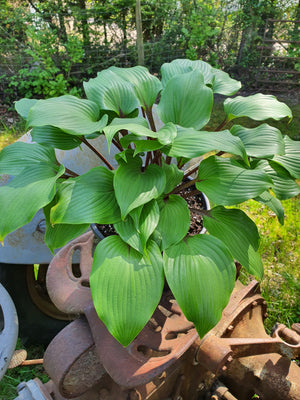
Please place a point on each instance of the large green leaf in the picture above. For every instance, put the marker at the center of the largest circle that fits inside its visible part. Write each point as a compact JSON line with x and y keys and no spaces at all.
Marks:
{"x":137,"y":232}
{"x":23,"y":106}
{"x":174,"y":221}
{"x":167,"y":133}
{"x":263,"y":141}
{"x":54,"y":137}
{"x":239,"y":233}
{"x":186,"y":101}
{"x":183,"y":66}
{"x":274,"y":204}
{"x":201,"y":273}
{"x":226,"y":182}
{"x":165,"y":136}
{"x":24,"y":195}
{"x":58,"y":235}
{"x":146,"y":86}
{"x":18,"y":156}
{"x":285,"y":186}
{"x":70,"y":114}
{"x":173,"y":176}
{"x":258,"y":107}
{"x":112,"y":93}
{"x":223,"y":84}
{"x":140,"y":145}
{"x":190,"y":143}
{"x":134,"y":187}
{"x":88,"y":198}
{"x":219,"y":80}
{"x":291,"y":159}
{"x":138,"y":126}
{"x":126,"y":286}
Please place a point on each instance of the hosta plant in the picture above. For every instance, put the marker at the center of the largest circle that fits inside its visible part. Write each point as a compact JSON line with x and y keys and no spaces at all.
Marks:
{"x":141,"y":195}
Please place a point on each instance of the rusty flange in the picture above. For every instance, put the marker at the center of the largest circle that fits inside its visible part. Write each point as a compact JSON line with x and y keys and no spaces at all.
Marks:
{"x":68,"y":289}
{"x":162,"y":341}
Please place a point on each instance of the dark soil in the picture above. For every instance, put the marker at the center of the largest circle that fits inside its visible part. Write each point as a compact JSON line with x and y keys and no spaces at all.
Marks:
{"x":8,"y":116}
{"x":195,"y":202}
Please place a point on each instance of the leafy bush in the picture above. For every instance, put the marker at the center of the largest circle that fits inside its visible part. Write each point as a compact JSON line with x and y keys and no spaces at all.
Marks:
{"x":140,"y":191}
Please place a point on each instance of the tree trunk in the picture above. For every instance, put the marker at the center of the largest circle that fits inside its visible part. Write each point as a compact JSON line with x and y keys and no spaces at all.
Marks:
{"x":62,"y":27}
{"x":84,"y":24}
{"x":139,"y":33}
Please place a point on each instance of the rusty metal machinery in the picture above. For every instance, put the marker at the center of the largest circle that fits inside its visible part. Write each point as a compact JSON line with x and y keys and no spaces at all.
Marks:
{"x":167,"y":360}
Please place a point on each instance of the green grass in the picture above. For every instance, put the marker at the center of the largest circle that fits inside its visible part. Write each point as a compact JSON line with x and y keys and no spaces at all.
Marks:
{"x":20,"y":374}
{"x":280,"y":251}
{"x":9,"y":134}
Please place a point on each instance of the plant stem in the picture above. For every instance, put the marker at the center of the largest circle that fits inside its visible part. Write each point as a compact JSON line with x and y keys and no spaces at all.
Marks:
{"x":201,"y":212}
{"x":221,"y":126}
{"x":143,"y":112}
{"x":70,"y":172}
{"x":157,"y":157}
{"x":97,"y":153}
{"x":148,"y":159}
{"x":117,"y":144}
{"x":180,"y":163}
{"x":184,"y":186}
{"x":190,"y":172}
{"x":168,"y":160}
{"x":150,"y":118}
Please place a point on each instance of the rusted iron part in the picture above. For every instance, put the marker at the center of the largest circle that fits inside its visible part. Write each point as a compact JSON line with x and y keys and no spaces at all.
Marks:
{"x":71,"y":360}
{"x":219,"y":351}
{"x":215,"y":352}
{"x":182,"y":380}
{"x":39,"y":294}
{"x":163,"y":340}
{"x":68,"y":289}
{"x":296,"y":328}
{"x":220,"y":391}
{"x":242,"y":300}
{"x":270,"y":376}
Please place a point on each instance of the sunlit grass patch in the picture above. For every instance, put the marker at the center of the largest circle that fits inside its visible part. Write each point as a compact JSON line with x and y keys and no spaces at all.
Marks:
{"x":9,"y":134}
{"x":280,"y":251}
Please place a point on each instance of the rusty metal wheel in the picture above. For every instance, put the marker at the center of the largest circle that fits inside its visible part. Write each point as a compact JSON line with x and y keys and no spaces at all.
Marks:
{"x":39,"y":319}
{"x":36,"y":284}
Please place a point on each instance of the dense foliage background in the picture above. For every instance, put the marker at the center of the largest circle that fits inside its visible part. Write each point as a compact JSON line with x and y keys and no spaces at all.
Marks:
{"x":47,"y":48}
